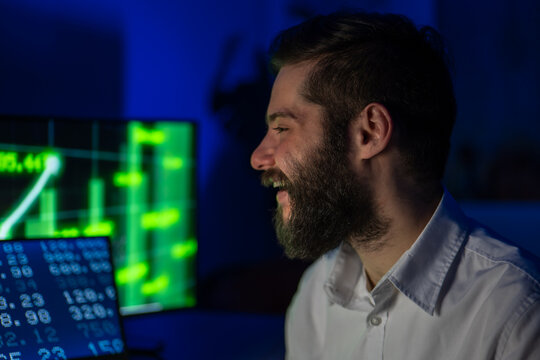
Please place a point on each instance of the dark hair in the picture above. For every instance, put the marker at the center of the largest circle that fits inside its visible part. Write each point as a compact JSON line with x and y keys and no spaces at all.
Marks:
{"x":362,"y":58}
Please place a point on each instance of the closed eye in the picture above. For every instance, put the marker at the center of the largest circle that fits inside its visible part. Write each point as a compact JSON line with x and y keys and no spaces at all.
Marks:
{"x":279,"y":129}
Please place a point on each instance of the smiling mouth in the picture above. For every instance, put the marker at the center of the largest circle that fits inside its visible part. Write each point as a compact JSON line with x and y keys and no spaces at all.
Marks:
{"x":278,"y":184}
{"x":282,"y":196}
{"x":277,"y":180}
{"x":282,"y":188}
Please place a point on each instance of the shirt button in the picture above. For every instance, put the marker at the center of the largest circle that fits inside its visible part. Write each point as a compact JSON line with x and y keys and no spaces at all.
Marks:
{"x":375,"y":321}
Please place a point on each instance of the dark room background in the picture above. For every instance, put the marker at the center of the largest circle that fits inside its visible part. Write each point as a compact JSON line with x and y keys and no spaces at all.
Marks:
{"x":206,"y":61}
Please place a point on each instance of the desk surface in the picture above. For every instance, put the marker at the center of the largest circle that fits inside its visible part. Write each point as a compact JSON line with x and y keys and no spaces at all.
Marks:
{"x":196,"y":334}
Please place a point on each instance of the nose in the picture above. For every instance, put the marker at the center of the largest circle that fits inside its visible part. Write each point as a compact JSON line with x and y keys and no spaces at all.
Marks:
{"x":262,"y":157}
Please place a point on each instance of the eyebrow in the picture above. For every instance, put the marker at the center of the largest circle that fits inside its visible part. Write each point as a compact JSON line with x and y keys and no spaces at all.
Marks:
{"x":272,"y":117}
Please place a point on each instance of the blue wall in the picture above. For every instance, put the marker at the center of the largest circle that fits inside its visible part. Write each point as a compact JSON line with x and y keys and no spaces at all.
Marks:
{"x":496,"y":142}
{"x":176,"y":59}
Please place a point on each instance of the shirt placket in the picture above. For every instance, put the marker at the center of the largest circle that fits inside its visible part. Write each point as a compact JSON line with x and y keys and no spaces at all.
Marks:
{"x":373,"y":341}
{"x":376,"y":324}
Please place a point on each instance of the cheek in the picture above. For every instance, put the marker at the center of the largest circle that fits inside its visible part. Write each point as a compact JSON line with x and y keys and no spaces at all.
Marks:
{"x":286,"y":162}
{"x":290,"y":151}
{"x":283,"y":155}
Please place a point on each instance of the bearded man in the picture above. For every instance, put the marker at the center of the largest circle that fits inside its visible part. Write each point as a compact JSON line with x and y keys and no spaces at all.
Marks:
{"x":359,"y":126}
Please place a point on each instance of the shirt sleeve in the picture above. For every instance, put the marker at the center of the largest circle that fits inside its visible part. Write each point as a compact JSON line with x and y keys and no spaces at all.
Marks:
{"x":524,"y":339}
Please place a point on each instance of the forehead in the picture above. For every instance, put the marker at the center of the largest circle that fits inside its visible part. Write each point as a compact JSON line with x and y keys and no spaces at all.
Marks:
{"x":292,"y":76}
{"x":288,"y":88}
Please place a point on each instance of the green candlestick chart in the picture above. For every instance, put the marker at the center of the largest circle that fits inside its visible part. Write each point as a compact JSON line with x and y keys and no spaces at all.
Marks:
{"x":131,"y":181}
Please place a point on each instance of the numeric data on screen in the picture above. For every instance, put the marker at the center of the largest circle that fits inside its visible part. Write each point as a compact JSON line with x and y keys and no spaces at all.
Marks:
{"x":57,"y":300}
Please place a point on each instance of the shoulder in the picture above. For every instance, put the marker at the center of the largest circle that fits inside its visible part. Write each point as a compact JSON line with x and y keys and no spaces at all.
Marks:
{"x":520,"y":338}
{"x":504,"y":280}
{"x":490,"y":251}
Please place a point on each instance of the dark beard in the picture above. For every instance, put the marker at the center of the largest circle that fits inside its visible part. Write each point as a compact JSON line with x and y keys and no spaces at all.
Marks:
{"x":329,"y":204}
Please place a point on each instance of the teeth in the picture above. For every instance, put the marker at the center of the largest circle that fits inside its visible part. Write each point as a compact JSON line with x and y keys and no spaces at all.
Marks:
{"x":278,"y":184}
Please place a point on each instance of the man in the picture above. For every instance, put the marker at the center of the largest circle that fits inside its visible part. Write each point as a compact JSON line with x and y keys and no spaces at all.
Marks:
{"x":359,"y":125}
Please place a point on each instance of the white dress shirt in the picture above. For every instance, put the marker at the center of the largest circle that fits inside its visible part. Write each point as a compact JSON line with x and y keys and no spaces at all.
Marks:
{"x":460,"y":293}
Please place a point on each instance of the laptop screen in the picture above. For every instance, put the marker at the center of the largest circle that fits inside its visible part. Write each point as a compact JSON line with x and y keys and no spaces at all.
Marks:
{"x":58,"y":300}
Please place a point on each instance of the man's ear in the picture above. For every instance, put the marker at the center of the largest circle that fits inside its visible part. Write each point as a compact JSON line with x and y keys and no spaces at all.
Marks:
{"x":371,"y":131}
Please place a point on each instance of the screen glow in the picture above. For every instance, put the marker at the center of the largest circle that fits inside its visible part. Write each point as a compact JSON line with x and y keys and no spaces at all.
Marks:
{"x":132,"y":181}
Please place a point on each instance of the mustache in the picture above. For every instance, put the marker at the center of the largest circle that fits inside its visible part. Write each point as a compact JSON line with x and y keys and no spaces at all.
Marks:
{"x":270,"y":176}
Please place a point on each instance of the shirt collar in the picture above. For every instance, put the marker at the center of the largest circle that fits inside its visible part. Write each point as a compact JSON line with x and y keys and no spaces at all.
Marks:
{"x":345,"y":275}
{"x":422,"y":270}
{"x":419,"y":273}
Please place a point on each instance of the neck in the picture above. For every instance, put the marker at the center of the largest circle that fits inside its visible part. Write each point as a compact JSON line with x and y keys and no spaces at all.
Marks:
{"x":406,"y":217}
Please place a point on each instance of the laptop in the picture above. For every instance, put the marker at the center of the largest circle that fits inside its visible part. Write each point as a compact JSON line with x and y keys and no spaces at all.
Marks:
{"x":58,"y":300}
